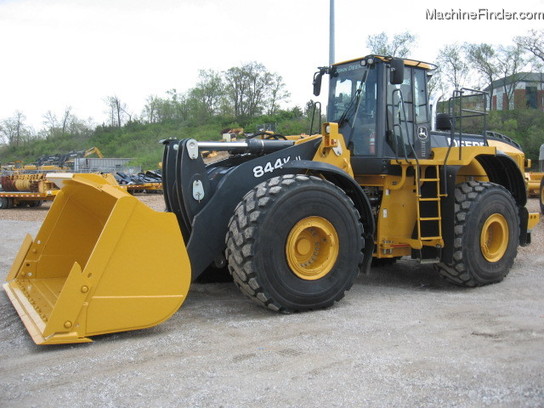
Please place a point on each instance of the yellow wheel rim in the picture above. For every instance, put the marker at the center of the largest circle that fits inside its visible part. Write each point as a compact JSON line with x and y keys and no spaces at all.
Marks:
{"x":494,"y":238}
{"x":312,"y":248}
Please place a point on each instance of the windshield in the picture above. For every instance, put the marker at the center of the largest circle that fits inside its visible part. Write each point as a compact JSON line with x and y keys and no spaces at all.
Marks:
{"x":352,"y":104}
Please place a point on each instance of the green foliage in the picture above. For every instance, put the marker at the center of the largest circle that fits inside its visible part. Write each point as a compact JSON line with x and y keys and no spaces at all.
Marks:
{"x":525,"y":126}
{"x":34,"y":148}
{"x":239,"y":93}
{"x":286,"y":122}
{"x":141,"y":141}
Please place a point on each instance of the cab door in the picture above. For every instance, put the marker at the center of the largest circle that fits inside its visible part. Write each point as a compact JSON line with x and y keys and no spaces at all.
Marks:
{"x":407,"y":116}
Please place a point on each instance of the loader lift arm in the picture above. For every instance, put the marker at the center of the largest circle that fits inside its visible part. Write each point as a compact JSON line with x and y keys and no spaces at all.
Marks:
{"x":204,"y":198}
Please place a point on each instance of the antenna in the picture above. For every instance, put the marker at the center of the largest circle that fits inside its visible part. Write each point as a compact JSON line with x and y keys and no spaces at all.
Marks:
{"x":331,"y":33}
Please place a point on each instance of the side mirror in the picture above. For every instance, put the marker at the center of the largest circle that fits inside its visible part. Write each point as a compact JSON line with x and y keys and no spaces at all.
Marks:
{"x":397,"y":71}
{"x":318,"y":76}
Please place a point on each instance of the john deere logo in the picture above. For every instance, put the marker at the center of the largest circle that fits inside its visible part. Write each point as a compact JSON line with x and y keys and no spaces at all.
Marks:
{"x":422,"y":134}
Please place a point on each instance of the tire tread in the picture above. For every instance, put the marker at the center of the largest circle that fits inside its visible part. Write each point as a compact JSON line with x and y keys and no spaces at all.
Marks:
{"x":243,"y":229}
{"x":466,"y":196}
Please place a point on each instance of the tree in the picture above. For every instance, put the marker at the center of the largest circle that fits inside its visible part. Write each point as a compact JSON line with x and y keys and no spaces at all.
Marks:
{"x":151,"y":109}
{"x":533,"y":42}
{"x":511,"y":61}
{"x":175,"y":107}
{"x":117,"y":111}
{"x":397,"y":47}
{"x":434,"y":85}
{"x":172,"y":108}
{"x":62,"y":126}
{"x":276,"y":93}
{"x":453,"y":68}
{"x":13,"y":130}
{"x":208,"y":97}
{"x":244,"y":86}
{"x":251,"y":88}
{"x":483,"y":58}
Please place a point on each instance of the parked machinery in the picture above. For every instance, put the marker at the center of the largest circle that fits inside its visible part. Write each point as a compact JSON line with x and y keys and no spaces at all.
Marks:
{"x":30,"y":190}
{"x":295,"y":218}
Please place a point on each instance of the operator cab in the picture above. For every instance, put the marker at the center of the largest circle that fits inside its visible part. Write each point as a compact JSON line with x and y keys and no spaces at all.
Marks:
{"x":381,"y":107}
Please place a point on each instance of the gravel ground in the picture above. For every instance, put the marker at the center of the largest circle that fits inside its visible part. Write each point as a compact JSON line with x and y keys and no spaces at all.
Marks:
{"x":401,"y":337}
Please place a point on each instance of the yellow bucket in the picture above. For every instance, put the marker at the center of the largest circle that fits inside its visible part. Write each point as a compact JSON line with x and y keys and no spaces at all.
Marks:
{"x":102,"y":262}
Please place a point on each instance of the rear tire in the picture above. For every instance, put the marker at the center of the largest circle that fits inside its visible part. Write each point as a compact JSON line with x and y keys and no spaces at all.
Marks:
{"x":486,"y":235}
{"x":295,"y":243}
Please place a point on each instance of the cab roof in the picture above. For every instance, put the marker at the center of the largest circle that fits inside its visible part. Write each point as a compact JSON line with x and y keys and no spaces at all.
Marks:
{"x":407,"y":61}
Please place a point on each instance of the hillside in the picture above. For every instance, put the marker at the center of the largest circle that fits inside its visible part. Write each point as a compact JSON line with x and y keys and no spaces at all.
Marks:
{"x":141,"y":141}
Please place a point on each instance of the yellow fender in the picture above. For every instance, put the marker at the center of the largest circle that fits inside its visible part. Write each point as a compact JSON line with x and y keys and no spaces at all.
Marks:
{"x":102,"y":262}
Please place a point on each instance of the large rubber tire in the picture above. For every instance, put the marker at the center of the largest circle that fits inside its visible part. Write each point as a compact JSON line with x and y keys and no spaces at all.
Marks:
{"x":6,"y":203}
{"x":277,"y":222}
{"x":35,"y":203}
{"x":486,"y":235}
{"x":541,"y":195}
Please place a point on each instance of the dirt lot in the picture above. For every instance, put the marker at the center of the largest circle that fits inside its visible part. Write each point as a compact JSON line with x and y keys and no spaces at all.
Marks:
{"x":401,"y":337}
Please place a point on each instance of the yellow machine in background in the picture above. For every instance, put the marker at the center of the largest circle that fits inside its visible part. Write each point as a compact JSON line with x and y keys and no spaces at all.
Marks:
{"x":20,"y":189}
{"x":294,"y":218}
{"x":534,"y":180}
{"x":27,"y":186}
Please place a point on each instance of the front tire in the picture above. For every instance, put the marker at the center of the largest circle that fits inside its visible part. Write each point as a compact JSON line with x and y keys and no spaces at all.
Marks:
{"x":486,"y":235}
{"x":295,"y":243}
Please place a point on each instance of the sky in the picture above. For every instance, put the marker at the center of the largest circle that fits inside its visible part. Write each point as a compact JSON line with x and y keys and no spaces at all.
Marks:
{"x":75,"y":53}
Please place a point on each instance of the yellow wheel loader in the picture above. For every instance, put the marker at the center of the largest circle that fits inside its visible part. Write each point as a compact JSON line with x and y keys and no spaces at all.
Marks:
{"x":295,"y":218}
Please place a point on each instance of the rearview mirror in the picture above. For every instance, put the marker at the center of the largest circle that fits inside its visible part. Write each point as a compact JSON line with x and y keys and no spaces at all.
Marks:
{"x":397,"y":71}
{"x":318,"y":76}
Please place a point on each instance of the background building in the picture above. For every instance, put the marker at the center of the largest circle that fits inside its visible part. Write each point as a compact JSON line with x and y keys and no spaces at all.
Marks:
{"x":524,"y":90}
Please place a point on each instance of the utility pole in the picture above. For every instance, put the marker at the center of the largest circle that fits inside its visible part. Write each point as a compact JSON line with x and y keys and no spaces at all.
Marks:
{"x":331,"y":33}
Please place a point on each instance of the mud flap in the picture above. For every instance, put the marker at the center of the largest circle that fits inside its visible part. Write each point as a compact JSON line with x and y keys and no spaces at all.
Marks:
{"x":102,"y":262}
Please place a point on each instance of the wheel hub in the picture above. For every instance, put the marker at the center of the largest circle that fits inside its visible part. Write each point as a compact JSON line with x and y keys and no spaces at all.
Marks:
{"x":494,"y":238}
{"x":312,"y":248}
